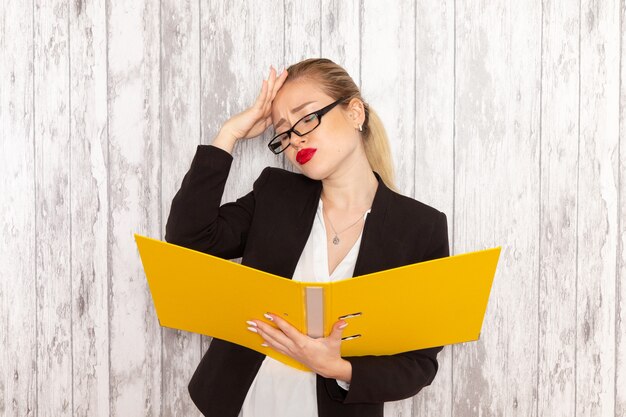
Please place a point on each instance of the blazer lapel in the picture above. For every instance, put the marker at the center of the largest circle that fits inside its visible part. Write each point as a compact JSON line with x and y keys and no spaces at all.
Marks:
{"x":372,"y":249}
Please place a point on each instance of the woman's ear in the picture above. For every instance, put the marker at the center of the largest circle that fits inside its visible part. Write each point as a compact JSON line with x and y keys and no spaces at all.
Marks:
{"x":357,"y":111}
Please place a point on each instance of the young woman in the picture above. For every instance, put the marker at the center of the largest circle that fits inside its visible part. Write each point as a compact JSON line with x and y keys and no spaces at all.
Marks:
{"x":339,"y":217}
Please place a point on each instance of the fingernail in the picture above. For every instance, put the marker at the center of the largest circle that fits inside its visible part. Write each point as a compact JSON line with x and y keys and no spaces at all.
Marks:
{"x":268,"y":317}
{"x":252,"y":329}
{"x":251,"y":323}
{"x":264,"y":344}
{"x":343,"y":325}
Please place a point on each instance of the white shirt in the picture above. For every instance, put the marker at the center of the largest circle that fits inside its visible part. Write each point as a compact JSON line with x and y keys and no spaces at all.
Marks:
{"x":279,"y":390}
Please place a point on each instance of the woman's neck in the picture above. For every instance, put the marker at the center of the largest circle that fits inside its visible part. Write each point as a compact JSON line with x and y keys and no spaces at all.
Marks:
{"x":351,"y":189}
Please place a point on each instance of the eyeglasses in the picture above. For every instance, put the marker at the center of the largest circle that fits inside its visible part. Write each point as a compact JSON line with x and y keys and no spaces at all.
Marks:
{"x":303,"y":126}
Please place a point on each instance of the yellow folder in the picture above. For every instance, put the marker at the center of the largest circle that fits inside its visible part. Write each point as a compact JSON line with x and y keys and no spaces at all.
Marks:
{"x":433,"y":303}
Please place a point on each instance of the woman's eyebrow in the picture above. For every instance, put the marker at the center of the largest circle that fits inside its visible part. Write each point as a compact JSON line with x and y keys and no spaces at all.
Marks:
{"x":296,"y":109}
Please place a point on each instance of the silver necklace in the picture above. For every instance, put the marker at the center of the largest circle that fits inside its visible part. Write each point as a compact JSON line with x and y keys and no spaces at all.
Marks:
{"x":336,"y":238}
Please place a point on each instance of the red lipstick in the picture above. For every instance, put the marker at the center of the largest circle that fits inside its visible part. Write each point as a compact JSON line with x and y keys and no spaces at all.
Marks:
{"x":305,"y":154}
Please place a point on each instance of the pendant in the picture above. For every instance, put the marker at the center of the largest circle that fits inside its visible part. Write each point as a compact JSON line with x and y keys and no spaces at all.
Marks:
{"x":336,"y":240}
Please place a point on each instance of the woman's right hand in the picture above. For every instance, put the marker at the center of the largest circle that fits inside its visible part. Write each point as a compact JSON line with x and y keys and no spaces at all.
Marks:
{"x":253,"y":121}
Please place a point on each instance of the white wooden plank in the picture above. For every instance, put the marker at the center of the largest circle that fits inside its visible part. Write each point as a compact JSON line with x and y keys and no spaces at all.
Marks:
{"x":497,"y":111}
{"x":18,"y":303}
{"x":597,"y":208}
{"x":388,"y":80}
{"x":239,"y":42}
{"x":180,"y":103}
{"x":135,"y":204}
{"x":434,"y":155}
{"x":620,"y":314}
{"x":89,"y":200}
{"x":52,"y":219}
{"x":558,"y":199}
{"x":388,"y":85}
{"x":340,"y":35}
{"x":234,"y":64}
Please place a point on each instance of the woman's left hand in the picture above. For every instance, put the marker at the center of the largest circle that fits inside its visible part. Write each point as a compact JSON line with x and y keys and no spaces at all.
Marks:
{"x":321,"y":355}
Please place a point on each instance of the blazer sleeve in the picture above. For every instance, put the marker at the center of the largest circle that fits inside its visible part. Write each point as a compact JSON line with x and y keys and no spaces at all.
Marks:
{"x":382,"y":378}
{"x":196,"y":219}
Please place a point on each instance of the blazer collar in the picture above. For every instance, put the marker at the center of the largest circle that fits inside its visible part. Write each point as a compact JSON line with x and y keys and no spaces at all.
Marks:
{"x":373,"y":229}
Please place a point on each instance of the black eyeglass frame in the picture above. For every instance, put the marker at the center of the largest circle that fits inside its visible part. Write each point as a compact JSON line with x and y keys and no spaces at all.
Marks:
{"x":318,"y":113}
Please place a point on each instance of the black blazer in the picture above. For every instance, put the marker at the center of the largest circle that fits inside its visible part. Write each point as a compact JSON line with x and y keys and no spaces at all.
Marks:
{"x":268,"y":228}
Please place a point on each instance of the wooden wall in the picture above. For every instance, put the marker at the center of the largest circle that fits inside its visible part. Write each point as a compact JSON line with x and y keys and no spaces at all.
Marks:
{"x":508,"y":116}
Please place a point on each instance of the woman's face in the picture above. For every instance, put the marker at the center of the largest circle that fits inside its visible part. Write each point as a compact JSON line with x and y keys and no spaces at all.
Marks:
{"x":331,"y":144}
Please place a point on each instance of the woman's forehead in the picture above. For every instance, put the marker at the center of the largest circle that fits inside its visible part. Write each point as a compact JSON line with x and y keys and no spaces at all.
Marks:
{"x":294,"y":94}
{"x":291,"y":97}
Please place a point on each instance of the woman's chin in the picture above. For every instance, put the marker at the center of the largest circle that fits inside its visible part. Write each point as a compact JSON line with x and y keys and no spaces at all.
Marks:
{"x":310,"y":171}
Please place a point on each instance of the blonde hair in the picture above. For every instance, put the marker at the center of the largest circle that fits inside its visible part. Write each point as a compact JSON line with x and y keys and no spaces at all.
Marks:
{"x":335,"y":82}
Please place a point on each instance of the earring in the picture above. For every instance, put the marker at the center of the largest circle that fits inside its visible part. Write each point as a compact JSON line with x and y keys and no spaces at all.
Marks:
{"x":360,"y":128}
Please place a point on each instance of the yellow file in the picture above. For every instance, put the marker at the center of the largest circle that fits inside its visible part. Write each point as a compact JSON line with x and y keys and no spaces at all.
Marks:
{"x":417,"y":306}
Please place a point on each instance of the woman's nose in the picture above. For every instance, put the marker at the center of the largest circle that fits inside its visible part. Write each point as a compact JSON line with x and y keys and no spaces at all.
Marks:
{"x":296,"y":140}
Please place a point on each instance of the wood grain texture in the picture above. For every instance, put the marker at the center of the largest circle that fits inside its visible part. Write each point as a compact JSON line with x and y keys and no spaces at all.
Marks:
{"x":53,"y":283}
{"x":180,"y":110}
{"x":18,"y":240}
{"x":239,"y":42}
{"x":134,"y":171}
{"x":434,"y":156}
{"x":497,"y":112}
{"x":556,"y":388}
{"x":620,"y":287}
{"x":341,"y":24}
{"x":510,"y":118}
{"x":388,"y":79}
{"x":89,"y":199}
{"x":388,"y":84}
{"x":597,"y":208}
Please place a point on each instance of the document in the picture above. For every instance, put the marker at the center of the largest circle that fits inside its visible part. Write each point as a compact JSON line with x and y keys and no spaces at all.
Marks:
{"x":417,"y":306}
